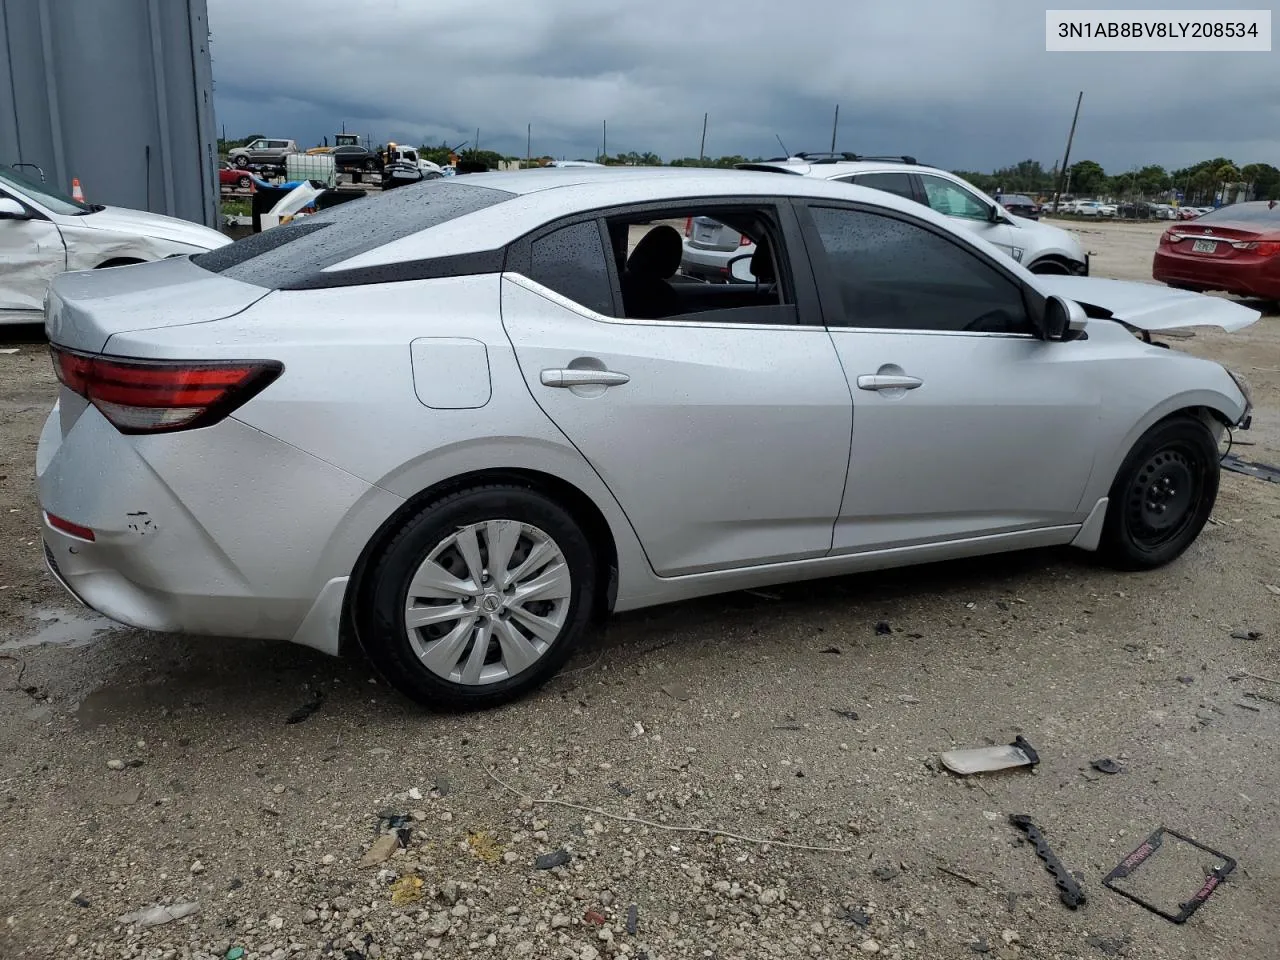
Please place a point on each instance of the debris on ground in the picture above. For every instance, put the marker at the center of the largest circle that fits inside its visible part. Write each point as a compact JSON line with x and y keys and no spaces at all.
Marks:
{"x":1214,"y":876}
{"x":980,"y":946}
{"x":1069,"y":890}
{"x":1111,"y":946}
{"x":959,"y":876}
{"x":676,"y":691}
{"x":1246,"y":634}
{"x":885,"y":873}
{"x":855,"y":916}
{"x":847,"y":714}
{"x":969,"y":760}
{"x":883,"y":629}
{"x":907,"y":698}
{"x":382,"y":850}
{"x":406,"y":890}
{"x":1271,"y":587}
{"x":1250,"y":468}
{"x":485,"y":846}
{"x":549,"y":861}
{"x":307,"y":709}
{"x":633,"y":919}
{"x":158,"y":914}
{"x":836,"y":650}
{"x":1106,"y":765}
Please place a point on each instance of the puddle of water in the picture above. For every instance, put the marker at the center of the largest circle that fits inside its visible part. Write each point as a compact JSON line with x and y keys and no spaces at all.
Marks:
{"x":69,"y":628}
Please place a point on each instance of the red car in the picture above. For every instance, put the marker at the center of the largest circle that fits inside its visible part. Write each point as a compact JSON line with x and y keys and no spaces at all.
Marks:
{"x":229,"y":176}
{"x":1234,"y":248}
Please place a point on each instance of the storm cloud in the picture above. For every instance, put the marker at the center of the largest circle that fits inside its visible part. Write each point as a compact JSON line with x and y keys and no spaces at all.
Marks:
{"x":966,"y":85}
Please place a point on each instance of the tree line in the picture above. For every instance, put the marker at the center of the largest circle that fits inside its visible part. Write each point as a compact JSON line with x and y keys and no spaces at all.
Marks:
{"x":1199,"y":183}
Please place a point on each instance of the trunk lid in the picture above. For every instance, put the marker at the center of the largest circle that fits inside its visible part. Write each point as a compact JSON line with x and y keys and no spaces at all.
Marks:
{"x":86,"y":308}
{"x":1149,"y":306}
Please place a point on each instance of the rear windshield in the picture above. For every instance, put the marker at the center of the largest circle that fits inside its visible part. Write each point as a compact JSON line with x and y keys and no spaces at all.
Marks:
{"x":289,"y":256}
{"x":1255,"y":211}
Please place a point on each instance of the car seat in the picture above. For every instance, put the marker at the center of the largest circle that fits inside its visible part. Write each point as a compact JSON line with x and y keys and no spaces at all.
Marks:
{"x":646,"y":292}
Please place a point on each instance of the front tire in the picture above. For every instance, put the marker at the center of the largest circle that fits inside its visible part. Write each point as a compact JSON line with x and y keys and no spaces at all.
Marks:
{"x":1162,"y":495}
{"x":242,"y":162}
{"x":478,"y":599}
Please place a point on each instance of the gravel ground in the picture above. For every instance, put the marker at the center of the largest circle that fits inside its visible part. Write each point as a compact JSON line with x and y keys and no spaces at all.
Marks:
{"x":138,"y":769}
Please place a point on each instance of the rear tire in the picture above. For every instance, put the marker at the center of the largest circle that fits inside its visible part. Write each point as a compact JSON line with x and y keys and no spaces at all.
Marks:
{"x":242,"y":162}
{"x":1162,"y":495}
{"x":1050,"y":267}
{"x":426,"y":617}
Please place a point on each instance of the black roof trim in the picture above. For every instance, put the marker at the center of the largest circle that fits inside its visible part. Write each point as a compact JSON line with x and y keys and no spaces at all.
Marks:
{"x":457,"y":265}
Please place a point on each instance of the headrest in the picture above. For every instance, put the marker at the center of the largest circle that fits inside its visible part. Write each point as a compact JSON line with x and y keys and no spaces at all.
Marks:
{"x":658,"y":253}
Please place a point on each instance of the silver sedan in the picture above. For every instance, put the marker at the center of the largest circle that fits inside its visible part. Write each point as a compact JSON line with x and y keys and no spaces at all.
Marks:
{"x":458,"y":422}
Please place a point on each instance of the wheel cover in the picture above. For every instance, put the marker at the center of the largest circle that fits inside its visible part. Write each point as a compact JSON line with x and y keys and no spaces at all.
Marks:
{"x":1163,"y":497}
{"x":488,"y":602}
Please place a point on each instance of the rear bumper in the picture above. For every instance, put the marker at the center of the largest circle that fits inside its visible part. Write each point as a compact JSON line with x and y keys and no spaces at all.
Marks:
{"x":220,"y":532}
{"x":1260,"y":278}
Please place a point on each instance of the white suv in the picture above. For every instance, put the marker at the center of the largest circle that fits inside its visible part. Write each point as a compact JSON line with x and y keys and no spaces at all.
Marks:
{"x":1041,"y":248}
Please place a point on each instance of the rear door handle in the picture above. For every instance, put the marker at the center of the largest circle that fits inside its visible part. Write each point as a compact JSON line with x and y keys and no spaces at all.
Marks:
{"x":583,"y":378}
{"x":887,"y":381}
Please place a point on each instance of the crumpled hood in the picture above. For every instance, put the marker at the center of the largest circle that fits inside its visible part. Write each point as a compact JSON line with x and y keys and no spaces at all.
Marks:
{"x":1150,"y":306}
{"x":143,"y":224}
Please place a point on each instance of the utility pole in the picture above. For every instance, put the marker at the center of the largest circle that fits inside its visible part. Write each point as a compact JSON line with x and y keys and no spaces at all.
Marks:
{"x":604,"y":144}
{"x":476,"y":148}
{"x":702,"y":147}
{"x":835,"y":123}
{"x":1066,"y":157}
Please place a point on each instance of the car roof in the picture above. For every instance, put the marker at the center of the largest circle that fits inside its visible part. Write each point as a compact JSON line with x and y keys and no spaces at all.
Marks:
{"x":561,"y":192}
{"x":827,"y":169}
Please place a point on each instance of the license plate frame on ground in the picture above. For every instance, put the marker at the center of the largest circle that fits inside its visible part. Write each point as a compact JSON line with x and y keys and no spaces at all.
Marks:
{"x":1205,"y":246}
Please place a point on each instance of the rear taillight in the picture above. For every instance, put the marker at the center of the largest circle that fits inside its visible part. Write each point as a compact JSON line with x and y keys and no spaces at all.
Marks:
{"x":1169,"y":237}
{"x":159,"y":396}
{"x":688,"y":226}
{"x":66,"y":526}
{"x":745,"y":241}
{"x":1263,"y":248}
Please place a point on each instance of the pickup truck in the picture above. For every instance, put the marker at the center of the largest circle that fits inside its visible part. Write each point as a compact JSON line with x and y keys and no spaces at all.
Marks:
{"x":266,"y":152}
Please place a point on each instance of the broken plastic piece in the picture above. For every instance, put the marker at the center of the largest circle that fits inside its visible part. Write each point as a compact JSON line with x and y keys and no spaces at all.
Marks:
{"x":1143,"y":853}
{"x":549,"y":861}
{"x":1069,"y":890}
{"x":1107,"y":765}
{"x":985,"y":759}
{"x":153,"y":916}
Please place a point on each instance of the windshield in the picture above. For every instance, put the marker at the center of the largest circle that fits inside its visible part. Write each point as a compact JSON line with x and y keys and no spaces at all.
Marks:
{"x":1255,"y":211}
{"x":41,"y":193}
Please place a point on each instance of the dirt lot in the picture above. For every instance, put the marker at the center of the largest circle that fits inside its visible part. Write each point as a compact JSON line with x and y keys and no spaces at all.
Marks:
{"x":139,"y":769}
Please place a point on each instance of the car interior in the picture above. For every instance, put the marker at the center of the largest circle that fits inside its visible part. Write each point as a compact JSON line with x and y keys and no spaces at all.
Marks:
{"x":653,"y":288}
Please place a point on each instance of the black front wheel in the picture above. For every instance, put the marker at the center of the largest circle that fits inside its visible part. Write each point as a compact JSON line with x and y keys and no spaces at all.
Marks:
{"x":1162,"y":495}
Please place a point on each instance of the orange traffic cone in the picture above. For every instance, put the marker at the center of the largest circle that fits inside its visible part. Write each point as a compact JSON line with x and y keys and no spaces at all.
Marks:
{"x":76,"y":192}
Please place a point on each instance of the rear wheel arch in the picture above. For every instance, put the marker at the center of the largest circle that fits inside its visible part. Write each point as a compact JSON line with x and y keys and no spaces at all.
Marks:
{"x":580,"y":506}
{"x":119,"y":262}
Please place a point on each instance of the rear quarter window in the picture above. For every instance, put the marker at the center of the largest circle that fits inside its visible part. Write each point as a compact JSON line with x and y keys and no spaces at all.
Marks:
{"x":293,"y":256}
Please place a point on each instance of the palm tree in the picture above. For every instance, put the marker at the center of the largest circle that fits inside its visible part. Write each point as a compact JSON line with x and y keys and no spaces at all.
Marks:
{"x":1226,"y":175}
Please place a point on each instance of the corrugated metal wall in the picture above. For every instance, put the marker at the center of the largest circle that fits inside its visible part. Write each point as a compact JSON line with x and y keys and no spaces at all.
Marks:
{"x":117,"y":93}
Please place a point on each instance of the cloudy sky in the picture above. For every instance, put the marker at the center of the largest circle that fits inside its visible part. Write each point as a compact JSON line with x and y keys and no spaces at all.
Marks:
{"x":965,"y":85}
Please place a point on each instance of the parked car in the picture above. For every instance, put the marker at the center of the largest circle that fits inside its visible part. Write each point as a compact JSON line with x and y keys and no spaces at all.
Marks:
{"x":415,"y":422}
{"x":348,"y":157}
{"x":1041,"y":247}
{"x":1086,"y":208}
{"x":1021,"y":205}
{"x":43,"y":232}
{"x":1192,"y":213}
{"x":232,"y":176}
{"x":263,"y":152}
{"x":1234,"y":248}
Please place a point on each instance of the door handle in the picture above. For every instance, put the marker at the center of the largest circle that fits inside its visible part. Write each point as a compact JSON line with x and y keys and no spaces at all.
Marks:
{"x":583,"y":378}
{"x":887,"y":381}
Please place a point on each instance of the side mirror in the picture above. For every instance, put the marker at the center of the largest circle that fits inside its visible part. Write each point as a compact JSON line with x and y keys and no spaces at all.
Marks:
{"x":1062,"y":318}
{"x":11,"y":209}
{"x":996,"y":214}
{"x":740,"y":269}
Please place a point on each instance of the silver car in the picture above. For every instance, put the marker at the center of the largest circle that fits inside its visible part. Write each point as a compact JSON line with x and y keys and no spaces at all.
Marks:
{"x":457,"y":422}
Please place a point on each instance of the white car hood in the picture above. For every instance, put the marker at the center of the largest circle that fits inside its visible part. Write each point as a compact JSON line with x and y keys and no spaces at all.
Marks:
{"x":140,"y":223}
{"x":1150,"y":306}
